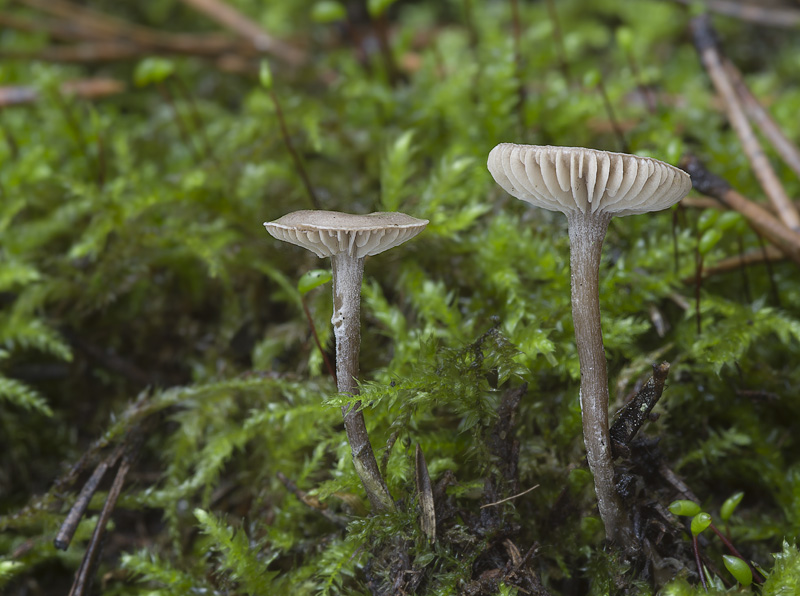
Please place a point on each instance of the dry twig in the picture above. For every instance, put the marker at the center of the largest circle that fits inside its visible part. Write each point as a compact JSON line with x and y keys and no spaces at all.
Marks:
{"x":705,"y":42}
{"x":758,"y":114}
{"x":754,"y":257}
{"x":788,"y":18}
{"x":774,"y":230}
{"x":240,"y":24}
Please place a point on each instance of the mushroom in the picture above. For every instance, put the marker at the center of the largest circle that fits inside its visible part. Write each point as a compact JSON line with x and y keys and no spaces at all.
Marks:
{"x":347,"y":239}
{"x":590,"y":187}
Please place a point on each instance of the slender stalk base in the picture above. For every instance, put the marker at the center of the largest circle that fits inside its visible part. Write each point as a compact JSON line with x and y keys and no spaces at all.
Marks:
{"x":347,"y":274}
{"x":586,"y":234}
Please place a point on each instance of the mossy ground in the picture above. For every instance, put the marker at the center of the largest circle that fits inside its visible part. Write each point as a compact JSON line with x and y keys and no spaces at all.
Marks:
{"x":141,"y":296}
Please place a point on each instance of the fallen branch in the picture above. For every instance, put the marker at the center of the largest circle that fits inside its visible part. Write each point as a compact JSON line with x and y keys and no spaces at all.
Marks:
{"x":774,"y":230}
{"x":705,"y":42}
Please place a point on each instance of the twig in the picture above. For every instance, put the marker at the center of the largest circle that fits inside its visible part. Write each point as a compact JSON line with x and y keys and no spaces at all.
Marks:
{"x":70,"y":524}
{"x":78,"y":24}
{"x":83,"y":88}
{"x":287,"y":140}
{"x":788,"y":18}
{"x":380,"y":26}
{"x":558,"y":37}
{"x":612,"y":117}
{"x":729,"y":545}
{"x":774,"y":230}
{"x":311,"y":502}
{"x":770,"y":273}
{"x":705,"y":42}
{"x":700,"y":571}
{"x":758,"y":114}
{"x":83,"y":578}
{"x":754,"y":257}
{"x":698,"y":283}
{"x":516,"y":29}
{"x":525,"y":492}
{"x":240,"y":24}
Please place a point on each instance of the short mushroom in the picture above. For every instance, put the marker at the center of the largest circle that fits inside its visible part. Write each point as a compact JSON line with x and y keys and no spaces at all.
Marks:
{"x":347,"y":239}
{"x":590,"y":187}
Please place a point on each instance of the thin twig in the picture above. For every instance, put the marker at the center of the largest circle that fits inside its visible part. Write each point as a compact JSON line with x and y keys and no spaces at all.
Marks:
{"x":758,"y":114}
{"x":311,"y":502}
{"x":516,"y":30}
{"x":740,"y":261}
{"x":729,"y":545}
{"x":700,"y":571}
{"x":751,"y":12}
{"x":525,"y":492}
{"x":70,"y":524}
{"x":774,"y":230}
{"x":83,"y":578}
{"x":612,"y":117}
{"x":558,"y":37}
{"x":75,"y":23}
{"x":242,"y":25}
{"x":705,"y":42}
{"x":770,"y":273}
{"x":287,"y":140}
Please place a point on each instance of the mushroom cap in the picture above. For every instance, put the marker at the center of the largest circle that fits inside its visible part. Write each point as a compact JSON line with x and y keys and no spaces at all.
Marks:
{"x":570,"y":179}
{"x":329,"y":233}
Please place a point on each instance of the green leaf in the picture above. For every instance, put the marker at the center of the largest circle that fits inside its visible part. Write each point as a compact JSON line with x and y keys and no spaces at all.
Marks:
{"x":709,"y":240}
{"x":684,"y":507}
{"x":730,"y":505}
{"x":328,"y":11}
{"x":265,"y":75}
{"x":152,"y":70}
{"x":700,"y":522}
{"x":739,"y":569}
{"x":377,"y":7}
{"x":313,"y":279}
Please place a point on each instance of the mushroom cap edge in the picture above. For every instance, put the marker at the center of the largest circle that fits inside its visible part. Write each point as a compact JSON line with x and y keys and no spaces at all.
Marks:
{"x":570,"y":179}
{"x":328,"y":233}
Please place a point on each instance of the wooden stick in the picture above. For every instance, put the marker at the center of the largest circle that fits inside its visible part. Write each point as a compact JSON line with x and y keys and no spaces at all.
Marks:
{"x":705,"y":42}
{"x":753,"y":257}
{"x":758,"y":114}
{"x":774,"y":230}
{"x":75,"y":30}
{"x":240,"y":24}
{"x":787,"y":18}
{"x":84,"y":576}
{"x":70,"y":524}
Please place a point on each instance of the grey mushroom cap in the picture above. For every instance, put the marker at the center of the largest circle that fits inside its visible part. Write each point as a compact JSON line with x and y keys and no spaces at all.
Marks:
{"x":329,"y":233}
{"x":570,"y":179}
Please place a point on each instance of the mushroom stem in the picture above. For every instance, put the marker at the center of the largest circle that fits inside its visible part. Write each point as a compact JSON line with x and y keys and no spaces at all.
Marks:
{"x":586,"y":234}
{"x":347,"y":274}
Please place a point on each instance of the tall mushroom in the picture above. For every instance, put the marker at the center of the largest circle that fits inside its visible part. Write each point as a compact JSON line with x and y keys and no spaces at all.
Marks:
{"x":347,"y":239}
{"x":590,"y":187}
